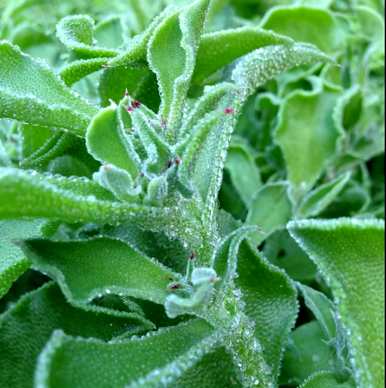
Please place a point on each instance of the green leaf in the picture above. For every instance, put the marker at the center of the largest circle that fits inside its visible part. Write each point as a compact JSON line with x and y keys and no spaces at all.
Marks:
{"x":243,"y":171}
{"x":326,"y":379}
{"x":319,"y":199}
{"x":172,"y":56}
{"x":136,"y":54}
{"x":282,"y":251}
{"x":77,"y":33}
{"x":350,"y":256}
{"x":150,"y":361}
{"x":215,"y":369}
{"x":75,"y":71}
{"x":87,"y":269}
{"x":13,"y":262}
{"x":263,"y":64}
{"x":307,"y":140}
{"x":306,"y":354}
{"x":107,"y":143}
{"x":56,"y":144}
{"x":270,"y":301}
{"x":304,"y":24}
{"x":28,"y":324}
{"x":68,"y":165}
{"x":322,"y":308}
{"x":33,"y":139}
{"x":252,"y":71}
{"x":221,"y":48}
{"x":226,"y":257}
{"x":73,"y":200}
{"x":271,"y":196}
{"x":110,"y":32}
{"x":30,"y":92}
{"x":137,"y":80}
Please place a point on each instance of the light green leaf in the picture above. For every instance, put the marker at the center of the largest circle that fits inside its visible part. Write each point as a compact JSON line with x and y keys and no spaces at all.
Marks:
{"x":318,"y":200}
{"x":136,"y":54}
{"x":13,"y":261}
{"x":325,"y":379}
{"x":149,"y":131}
{"x":77,"y":33}
{"x":138,"y":80}
{"x":30,"y":92}
{"x":219,"y":49}
{"x":27,"y":325}
{"x":28,"y":194}
{"x":68,"y":165}
{"x":304,"y":24}
{"x":107,"y":142}
{"x":282,"y":251}
{"x":110,"y":31}
{"x":270,"y":301}
{"x":33,"y":138}
{"x":270,"y":210}
{"x":252,"y":71}
{"x":150,"y":361}
{"x":307,"y":140}
{"x":87,"y":269}
{"x":226,"y":256}
{"x":215,"y":369}
{"x":73,"y":200}
{"x":119,"y":182}
{"x":243,"y":171}
{"x":204,"y":106}
{"x":56,"y":144}
{"x":263,"y":64}
{"x":350,"y":256}
{"x":172,"y":56}
{"x":307,"y":353}
{"x":372,"y":26}
{"x":322,"y":308}
{"x":81,"y":68}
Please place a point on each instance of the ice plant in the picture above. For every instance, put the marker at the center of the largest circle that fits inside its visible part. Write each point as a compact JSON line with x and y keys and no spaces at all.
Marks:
{"x":165,"y":167}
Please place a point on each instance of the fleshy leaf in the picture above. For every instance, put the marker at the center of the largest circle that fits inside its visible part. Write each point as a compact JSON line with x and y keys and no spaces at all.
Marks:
{"x":27,"y":325}
{"x":68,"y":165}
{"x":350,"y":256}
{"x":252,"y":71}
{"x":77,"y":70}
{"x":172,"y":56}
{"x":319,"y":199}
{"x":307,"y":353}
{"x":270,"y":301}
{"x":304,"y":24}
{"x":263,"y":64}
{"x":226,"y":256}
{"x":150,"y":361}
{"x":243,"y":171}
{"x":30,"y":92}
{"x":138,"y":48}
{"x":107,"y":142}
{"x":77,"y":33}
{"x":28,"y":194}
{"x":325,"y":379}
{"x":322,"y":308}
{"x":13,"y":261}
{"x":214,"y":369}
{"x":269,"y":197}
{"x":282,"y":251}
{"x":88,"y":269}
{"x":308,"y":141}
{"x":138,"y":80}
{"x":221,"y":48}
